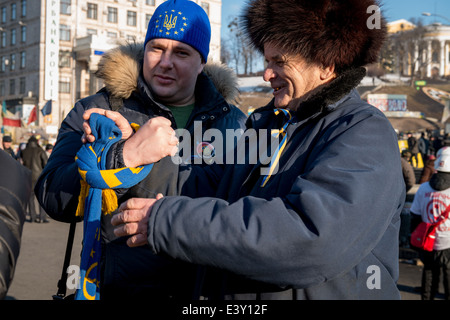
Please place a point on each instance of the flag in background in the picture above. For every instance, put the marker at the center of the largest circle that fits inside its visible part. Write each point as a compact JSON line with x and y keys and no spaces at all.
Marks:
{"x":4,"y":110}
{"x":10,"y":119}
{"x":47,"y":109}
{"x":33,"y":116}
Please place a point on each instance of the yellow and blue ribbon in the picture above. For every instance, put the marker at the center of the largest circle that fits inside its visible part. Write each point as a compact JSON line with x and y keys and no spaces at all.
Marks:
{"x":276,"y":134}
{"x":97,"y":196}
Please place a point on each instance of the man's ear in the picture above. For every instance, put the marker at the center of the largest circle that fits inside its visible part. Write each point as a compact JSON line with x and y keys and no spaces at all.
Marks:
{"x":201,"y":67}
{"x":327,"y":73}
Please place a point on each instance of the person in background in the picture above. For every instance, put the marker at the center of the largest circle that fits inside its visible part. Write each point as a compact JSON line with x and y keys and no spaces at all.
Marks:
{"x":424,"y":146}
{"x":35,"y":159}
{"x":7,"y":142}
{"x":410,"y":180}
{"x":408,"y":170}
{"x":413,"y":148}
{"x":15,"y":191}
{"x":428,"y":170}
{"x":48,"y":149}
{"x":432,"y":205}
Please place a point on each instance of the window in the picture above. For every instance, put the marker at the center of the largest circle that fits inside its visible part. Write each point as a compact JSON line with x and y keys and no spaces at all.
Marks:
{"x":13,"y":37}
{"x":23,"y":34}
{"x":13,"y":11}
{"x":22,"y":85}
{"x":2,"y":88}
{"x":148,"y":17}
{"x":12,"y":86}
{"x":23,"y":59}
{"x":131,"y":18}
{"x":24,"y":8}
{"x":205,"y":6}
{"x":92,"y":31}
{"x":64,"y":32}
{"x":112,"y":15}
{"x":12,"y":62}
{"x":111,"y":34}
{"x":66,"y":7}
{"x":150,"y":2}
{"x":92,"y":11}
{"x":3,"y":14}
{"x":64,"y":59}
{"x":4,"y":64}
{"x":64,"y":86}
{"x":3,"y":39}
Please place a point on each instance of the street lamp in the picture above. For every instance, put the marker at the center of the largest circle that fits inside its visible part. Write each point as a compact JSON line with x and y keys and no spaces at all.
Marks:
{"x":428,"y":14}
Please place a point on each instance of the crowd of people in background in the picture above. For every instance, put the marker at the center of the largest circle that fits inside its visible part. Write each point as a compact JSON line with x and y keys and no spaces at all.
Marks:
{"x":426,"y":143}
{"x":429,"y":154}
{"x":33,"y":155}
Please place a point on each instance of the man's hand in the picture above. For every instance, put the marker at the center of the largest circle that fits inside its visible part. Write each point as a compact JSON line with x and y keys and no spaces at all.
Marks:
{"x":118,"y":119}
{"x":132,"y":220}
{"x":155,"y":140}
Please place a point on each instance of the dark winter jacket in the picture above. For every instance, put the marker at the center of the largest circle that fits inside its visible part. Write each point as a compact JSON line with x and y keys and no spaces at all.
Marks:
{"x":408,"y":174}
{"x":15,"y":190}
{"x":34,"y":158}
{"x":138,"y":272}
{"x":324,"y":227}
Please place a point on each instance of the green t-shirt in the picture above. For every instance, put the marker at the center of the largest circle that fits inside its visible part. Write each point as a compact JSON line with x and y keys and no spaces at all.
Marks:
{"x":181,"y":114}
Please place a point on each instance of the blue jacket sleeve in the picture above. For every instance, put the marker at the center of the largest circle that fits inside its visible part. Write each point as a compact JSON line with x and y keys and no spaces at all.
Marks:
{"x":335,"y":214}
{"x":58,"y":186}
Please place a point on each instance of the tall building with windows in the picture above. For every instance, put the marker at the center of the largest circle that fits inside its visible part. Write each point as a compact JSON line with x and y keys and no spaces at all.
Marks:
{"x":49,"y":49}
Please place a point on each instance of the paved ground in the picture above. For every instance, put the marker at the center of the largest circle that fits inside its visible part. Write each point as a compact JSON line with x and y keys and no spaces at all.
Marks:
{"x":42,"y":254}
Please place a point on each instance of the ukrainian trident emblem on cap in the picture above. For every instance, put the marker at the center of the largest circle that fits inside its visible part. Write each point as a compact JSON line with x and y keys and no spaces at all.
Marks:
{"x":170,"y":22}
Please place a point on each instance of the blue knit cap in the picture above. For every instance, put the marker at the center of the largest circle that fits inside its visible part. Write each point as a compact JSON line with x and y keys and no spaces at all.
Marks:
{"x":184,"y":21}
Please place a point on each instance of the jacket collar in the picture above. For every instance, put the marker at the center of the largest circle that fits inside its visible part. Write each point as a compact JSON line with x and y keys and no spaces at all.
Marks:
{"x":332,"y":95}
{"x":121,"y":71}
{"x":207,"y":97}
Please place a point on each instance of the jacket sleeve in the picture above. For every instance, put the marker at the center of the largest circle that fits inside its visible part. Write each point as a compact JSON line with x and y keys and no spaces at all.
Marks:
{"x":193,"y":180}
{"x":15,"y":191}
{"x":58,"y":186}
{"x":335,"y":214}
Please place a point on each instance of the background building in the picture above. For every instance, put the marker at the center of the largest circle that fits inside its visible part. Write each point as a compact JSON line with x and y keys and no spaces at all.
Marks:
{"x":422,"y":51}
{"x":49,"y":51}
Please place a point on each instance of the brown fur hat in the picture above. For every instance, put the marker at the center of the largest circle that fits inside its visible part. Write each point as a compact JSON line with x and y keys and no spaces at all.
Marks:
{"x":324,"y":32}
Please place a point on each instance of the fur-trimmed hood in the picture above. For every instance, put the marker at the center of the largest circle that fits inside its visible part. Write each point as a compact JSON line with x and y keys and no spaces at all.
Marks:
{"x":120,"y":68}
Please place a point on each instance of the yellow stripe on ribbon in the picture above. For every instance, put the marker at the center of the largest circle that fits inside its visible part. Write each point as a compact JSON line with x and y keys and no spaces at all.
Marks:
{"x":276,"y":133}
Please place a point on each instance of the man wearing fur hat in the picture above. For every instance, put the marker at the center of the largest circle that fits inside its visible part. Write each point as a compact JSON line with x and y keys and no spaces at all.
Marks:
{"x":161,"y":85}
{"x":323,"y":221}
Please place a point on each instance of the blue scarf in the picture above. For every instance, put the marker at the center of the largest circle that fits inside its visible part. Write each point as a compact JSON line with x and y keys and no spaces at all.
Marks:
{"x":97,"y":196}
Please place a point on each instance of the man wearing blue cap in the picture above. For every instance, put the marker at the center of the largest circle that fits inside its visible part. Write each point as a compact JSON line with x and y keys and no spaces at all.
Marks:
{"x":160,"y":86}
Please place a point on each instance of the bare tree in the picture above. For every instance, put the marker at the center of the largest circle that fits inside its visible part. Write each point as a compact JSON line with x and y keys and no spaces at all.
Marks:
{"x":242,"y":54}
{"x":411,"y":45}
